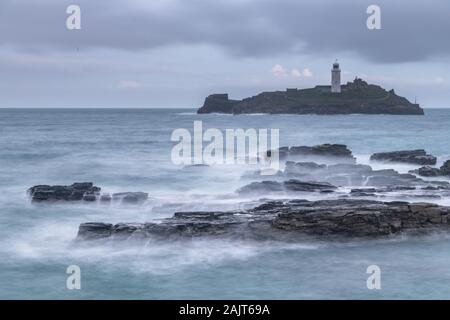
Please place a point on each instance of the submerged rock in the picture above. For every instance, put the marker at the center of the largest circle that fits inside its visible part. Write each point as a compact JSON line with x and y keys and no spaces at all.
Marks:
{"x":302,"y":168}
{"x":262,"y":187}
{"x":285,"y":220}
{"x":324,"y":150}
{"x":75,"y":192}
{"x":419,"y":157}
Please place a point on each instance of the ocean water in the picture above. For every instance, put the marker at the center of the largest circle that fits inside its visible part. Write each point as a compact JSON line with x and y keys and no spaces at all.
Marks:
{"x":129,"y":150}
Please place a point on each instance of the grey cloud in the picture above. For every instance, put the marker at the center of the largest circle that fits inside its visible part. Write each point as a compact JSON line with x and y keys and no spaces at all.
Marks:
{"x":412,"y":30}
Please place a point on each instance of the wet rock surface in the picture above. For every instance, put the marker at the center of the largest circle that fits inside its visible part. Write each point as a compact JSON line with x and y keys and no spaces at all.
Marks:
{"x":75,"y":192}
{"x":82,"y":191}
{"x":419,"y":157}
{"x":351,"y":175}
{"x":285,"y":220}
{"x":428,"y":171}
{"x":329,"y":153}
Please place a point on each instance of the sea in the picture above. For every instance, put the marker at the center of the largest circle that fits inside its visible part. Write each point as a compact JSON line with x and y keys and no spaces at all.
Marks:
{"x":130,"y":150}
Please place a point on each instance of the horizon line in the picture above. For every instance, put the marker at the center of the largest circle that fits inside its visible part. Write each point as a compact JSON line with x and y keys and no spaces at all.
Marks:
{"x":145,"y":107}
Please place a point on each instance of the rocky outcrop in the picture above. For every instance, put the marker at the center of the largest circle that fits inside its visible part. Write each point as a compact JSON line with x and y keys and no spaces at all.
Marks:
{"x":356,"y":97}
{"x":428,"y":171}
{"x":94,"y":230}
{"x":419,"y":157}
{"x":354,"y":175}
{"x":83,"y":191}
{"x":218,"y":103}
{"x":445,"y":168}
{"x":362,"y":218}
{"x":285,"y":220}
{"x":75,"y":192}
{"x":337,"y":153}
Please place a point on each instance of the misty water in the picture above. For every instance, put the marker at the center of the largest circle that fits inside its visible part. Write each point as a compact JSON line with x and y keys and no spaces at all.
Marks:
{"x":129,"y":150}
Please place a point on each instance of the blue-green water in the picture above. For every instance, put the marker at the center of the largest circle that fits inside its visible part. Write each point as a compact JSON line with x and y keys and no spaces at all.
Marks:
{"x":129,"y":150}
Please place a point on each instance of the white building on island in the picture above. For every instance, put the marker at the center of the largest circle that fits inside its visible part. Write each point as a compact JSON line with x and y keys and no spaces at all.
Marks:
{"x":336,"y":78}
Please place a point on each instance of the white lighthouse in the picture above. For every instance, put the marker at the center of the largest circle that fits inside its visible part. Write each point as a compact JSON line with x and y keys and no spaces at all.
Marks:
{"x":336,"y":78}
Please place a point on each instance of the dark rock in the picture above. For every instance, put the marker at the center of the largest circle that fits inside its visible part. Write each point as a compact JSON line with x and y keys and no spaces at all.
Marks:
{"x":397,"y":188}
{"x":445,"y":168}
{"x":427,"y":171}
{"x":419,"y":157}
{"x":301,"y":168}
{"x":287,"y":220}
{"x":218,"y":103}
{"x":371,"y":190}
{"x":90,"y":197}
{"x":433,"y":188}
{"x":123,"y":230}
{"x":94,"y":230}
{"x":323,"y":150}
{"x":297,"y":185}
{"x":362,"y":194}
{"x":336,"y":153}
{"x":364,"y":219}
{"x":354,"y":175}
{"x":74,"y":192}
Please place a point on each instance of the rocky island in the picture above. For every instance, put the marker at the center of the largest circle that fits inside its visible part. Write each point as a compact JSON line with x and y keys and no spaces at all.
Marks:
{"x":356,"y":97}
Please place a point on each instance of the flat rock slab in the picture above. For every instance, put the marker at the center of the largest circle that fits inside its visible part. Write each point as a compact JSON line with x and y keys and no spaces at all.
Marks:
{"x":332,"y":153}
{"x":284,"y":220}
{"x":75,"y":192}
{"x":83,"y":191}
{"x":419,"y":157}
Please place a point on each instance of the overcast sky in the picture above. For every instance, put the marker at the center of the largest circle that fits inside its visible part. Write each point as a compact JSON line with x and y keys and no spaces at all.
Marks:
{"x":172,"y":53}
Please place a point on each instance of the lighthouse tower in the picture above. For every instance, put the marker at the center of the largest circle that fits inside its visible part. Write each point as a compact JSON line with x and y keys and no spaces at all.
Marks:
{"x":336,"y":78}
